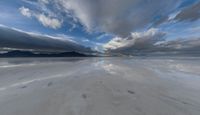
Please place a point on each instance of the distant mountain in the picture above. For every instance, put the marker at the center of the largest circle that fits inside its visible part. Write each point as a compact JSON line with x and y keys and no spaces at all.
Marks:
{"x":18,"y":53}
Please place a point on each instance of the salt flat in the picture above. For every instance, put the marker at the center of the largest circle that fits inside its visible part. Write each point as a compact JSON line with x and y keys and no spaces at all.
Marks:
{"x":100,"y":86}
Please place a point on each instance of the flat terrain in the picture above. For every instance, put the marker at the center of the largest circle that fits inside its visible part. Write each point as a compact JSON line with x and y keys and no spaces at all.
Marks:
{"x":100,"y":86}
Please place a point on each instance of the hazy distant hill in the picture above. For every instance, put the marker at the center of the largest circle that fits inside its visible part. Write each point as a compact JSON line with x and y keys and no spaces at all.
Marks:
{"x":18,"y":53}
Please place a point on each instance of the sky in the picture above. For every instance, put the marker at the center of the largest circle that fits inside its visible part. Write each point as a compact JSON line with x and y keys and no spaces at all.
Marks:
{"x":108,"y":26}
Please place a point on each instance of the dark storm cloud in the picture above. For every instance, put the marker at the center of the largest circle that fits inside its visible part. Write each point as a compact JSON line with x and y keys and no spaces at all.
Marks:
{"x":130,"y":21}
{"x":152,"y":41}
{"x":119,"y":17}
{"x":13,"y":38}
{"x":182,"y":45}
{"x":144,"y":41}
{"x":190,"y":13}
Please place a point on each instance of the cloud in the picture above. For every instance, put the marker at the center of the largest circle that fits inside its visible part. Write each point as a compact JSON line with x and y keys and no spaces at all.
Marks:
{"x":25,"y":12}
{"x":48,"y":21}
{"x":45,"y":20}
{"x":191,"y":13}
{"x":136,"y":41}
{"x":120,"y":17}
{"x":152,"y":42}
{"x":44,"y":1}
{"x":182,"y":45}
{"x":133,"y":22}
{"x":18,"y":39}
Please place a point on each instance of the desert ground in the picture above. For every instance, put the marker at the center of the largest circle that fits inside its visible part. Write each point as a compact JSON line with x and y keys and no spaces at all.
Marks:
{"x":100,"y":86}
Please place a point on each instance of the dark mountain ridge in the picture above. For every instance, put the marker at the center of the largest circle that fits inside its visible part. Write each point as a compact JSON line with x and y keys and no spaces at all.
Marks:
{"x":18,"y":53}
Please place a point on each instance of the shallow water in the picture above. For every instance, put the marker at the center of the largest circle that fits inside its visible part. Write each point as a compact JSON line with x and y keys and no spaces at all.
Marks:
{"x":100,"y":86}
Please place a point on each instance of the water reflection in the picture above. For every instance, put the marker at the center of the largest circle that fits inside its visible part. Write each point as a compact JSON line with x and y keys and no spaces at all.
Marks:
{"x":13,"y":62}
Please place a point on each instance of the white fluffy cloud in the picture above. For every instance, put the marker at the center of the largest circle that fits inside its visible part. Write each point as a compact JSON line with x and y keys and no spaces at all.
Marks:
{"x":45,"y":20}
{"x":25,"y":12}
{"x":48,"y":22}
